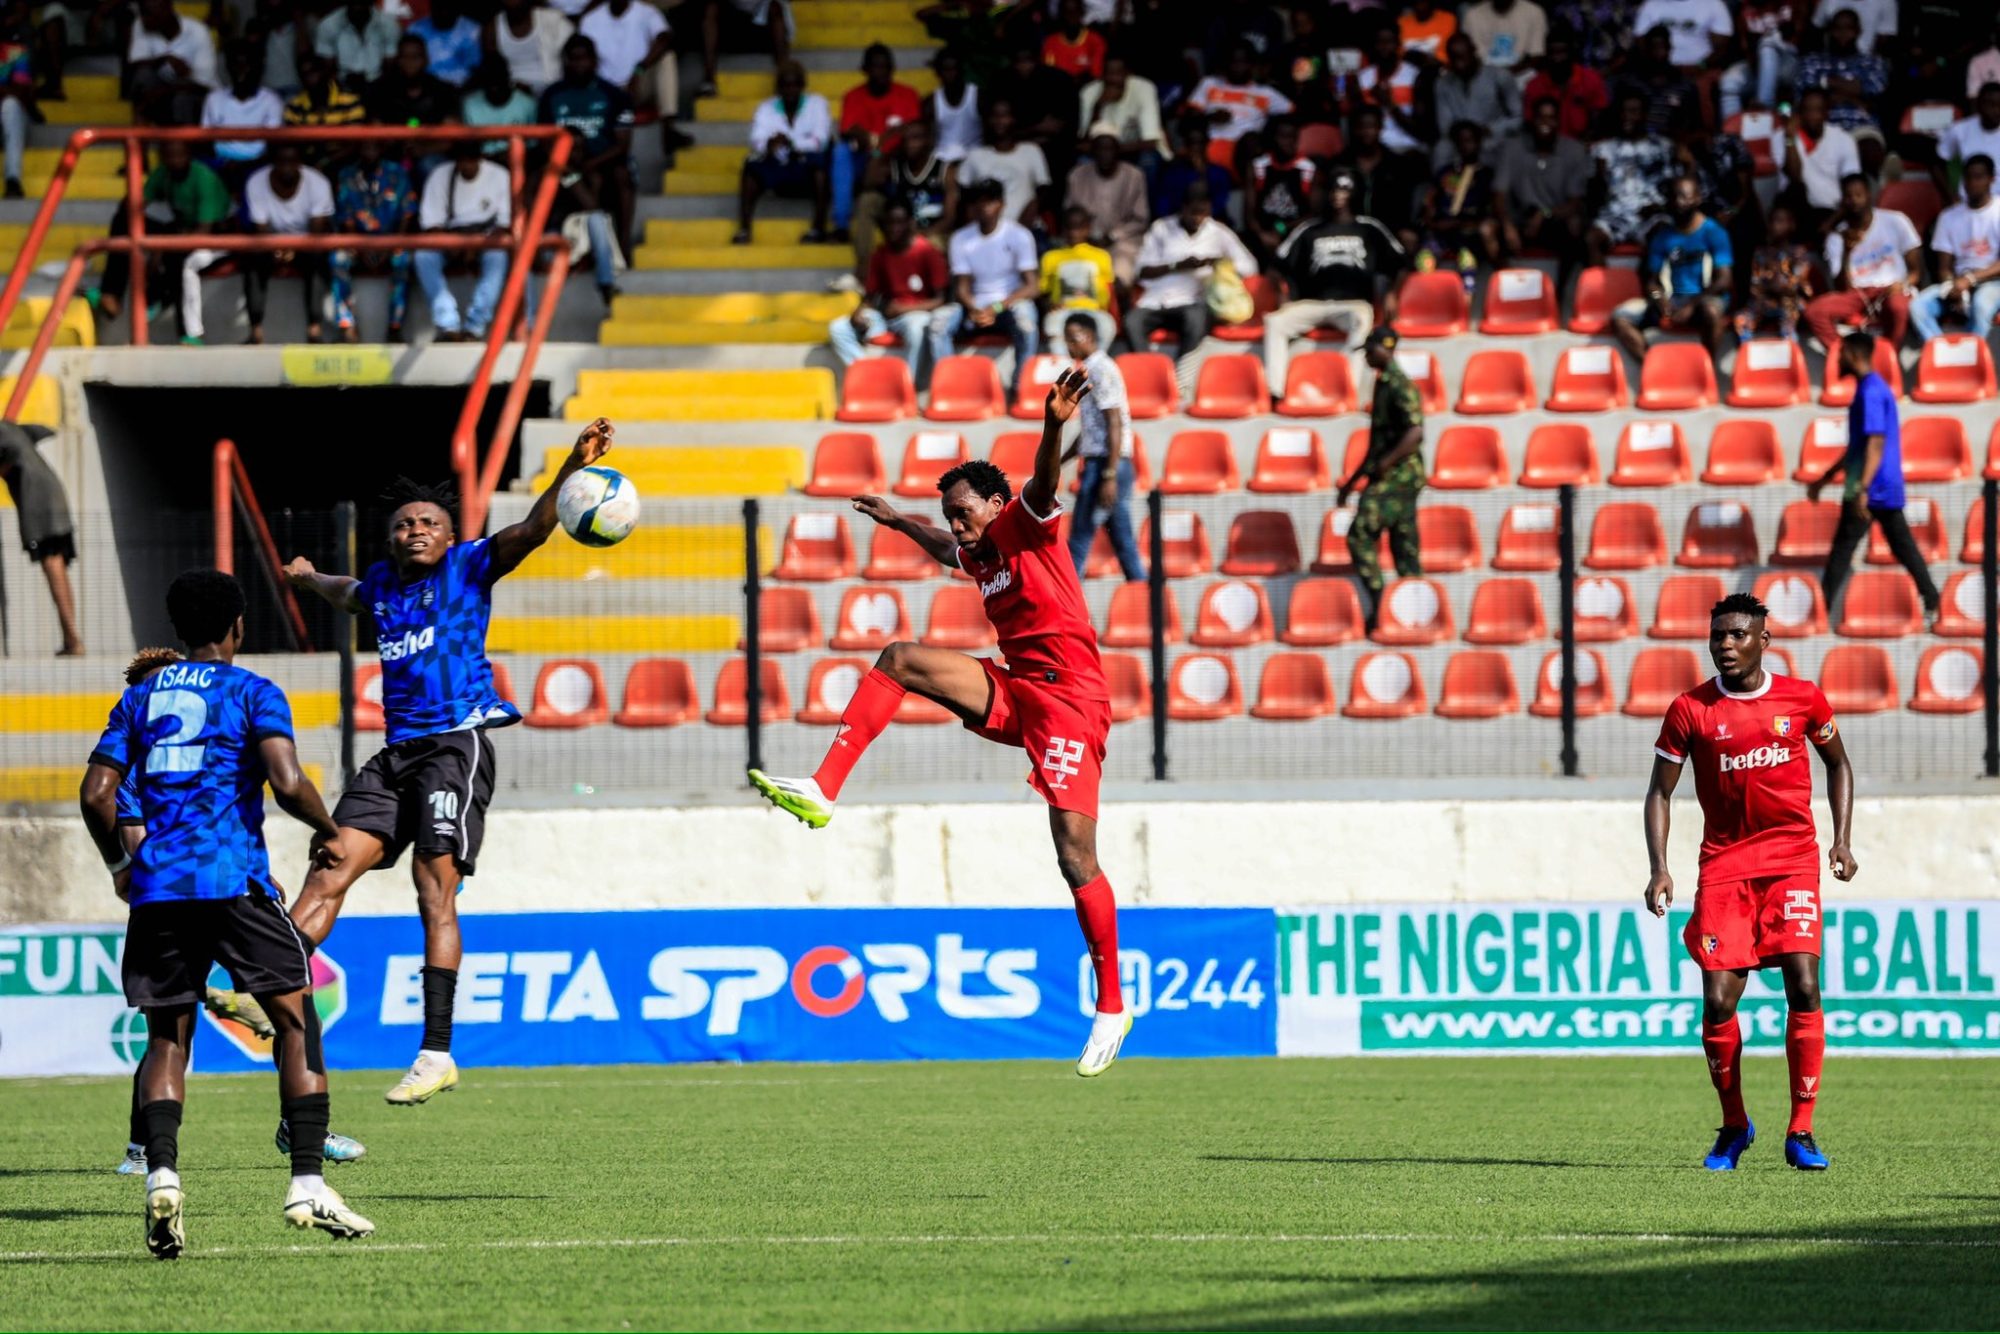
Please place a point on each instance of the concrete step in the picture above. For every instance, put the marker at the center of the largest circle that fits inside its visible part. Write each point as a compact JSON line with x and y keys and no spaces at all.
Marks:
{"x":755,"y":86}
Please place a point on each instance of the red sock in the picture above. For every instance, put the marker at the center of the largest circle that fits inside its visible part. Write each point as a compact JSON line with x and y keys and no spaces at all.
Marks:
{"x":1723,"y":1045}
{"x":874,"y":704}
{"x":1097,"y":914}
{"x":1805,"y":1048}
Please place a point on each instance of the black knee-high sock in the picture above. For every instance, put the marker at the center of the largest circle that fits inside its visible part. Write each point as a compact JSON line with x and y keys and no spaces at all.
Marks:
{"x":162,"y":1138}
{"x":136,"y":1132}
{"x":440,"y":985}
{"x":307,"y":1118}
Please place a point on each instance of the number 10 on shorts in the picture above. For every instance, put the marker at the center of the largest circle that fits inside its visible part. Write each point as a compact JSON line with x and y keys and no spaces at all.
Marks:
{"x":1162,"y":984}
{"x":444,"y":805}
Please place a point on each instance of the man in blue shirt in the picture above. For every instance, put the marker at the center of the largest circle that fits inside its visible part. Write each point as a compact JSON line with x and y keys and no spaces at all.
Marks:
{"x":428,"y":788}
{"x":1873,"y":468}
{"x":1687,"y":277}
{"x":203,"y":736}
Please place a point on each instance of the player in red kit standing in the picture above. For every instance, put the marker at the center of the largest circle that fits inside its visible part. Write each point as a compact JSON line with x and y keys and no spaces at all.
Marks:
{"x":1757,"y":904}
{"x":1051,"y":698}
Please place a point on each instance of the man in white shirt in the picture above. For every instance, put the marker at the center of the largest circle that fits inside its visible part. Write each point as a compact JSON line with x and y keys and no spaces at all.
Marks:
{"x":286,"y":199}
{"x":1176,"y":261}
{"x":1878,"y":18}
{"x":1699,"y":29}
{"x":245,"y":104}
{"x":1818,"y":155}
{"x":993,"y":278}
{"x":171,"y":64}
{"x":1510,"y":34}
{"x":359,"y":39}
{"x":635,"y":52}
{"x":1968,"y":138}
{"x":1104,"y":483}
{"x":1021,"y":168}
{"x":789,"y":138}
{"x":1967,"y":246}
{"x":1129,"y":103}
{"x":472,"y":197}
{"x":1876,"y":259}
{"x":1236,"y":105}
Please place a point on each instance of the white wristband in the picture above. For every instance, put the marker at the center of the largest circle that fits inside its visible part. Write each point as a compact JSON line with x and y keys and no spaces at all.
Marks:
{"x":114,"y":868}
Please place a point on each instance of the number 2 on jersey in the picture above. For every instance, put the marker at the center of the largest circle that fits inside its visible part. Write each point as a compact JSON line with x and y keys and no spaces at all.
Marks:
{"x":172,"y":754}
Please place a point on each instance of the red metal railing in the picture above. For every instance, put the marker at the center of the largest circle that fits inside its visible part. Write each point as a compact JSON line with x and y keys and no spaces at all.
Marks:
{"x":525,"y":238}
{"x":232,"y":485}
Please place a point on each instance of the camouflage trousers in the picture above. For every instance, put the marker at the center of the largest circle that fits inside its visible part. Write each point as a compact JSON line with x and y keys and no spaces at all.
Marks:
{"x":1390,"y":506}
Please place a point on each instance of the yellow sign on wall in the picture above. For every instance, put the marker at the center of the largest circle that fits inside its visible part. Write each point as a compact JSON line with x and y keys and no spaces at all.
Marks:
{"x":331,"y":367}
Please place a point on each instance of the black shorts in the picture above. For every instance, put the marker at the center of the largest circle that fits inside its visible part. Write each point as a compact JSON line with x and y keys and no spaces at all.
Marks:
{"x":429,"y":792}
{"x":169,"y":948}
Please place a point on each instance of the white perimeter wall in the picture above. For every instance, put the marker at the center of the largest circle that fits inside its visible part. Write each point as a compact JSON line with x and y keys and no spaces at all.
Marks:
{"x":1180,"y":853}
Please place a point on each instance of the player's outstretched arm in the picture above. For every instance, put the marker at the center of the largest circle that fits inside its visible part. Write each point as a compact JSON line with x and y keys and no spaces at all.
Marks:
{"x":514,"y":543}
{"x":941,"y":545}
{"x":335,"y":589}
{"x":1840,"y":799}
{"x":98,"y":798}
{"x":298,"y":798}
{"x":1039,"y":492}
{"x":1659,"y":815}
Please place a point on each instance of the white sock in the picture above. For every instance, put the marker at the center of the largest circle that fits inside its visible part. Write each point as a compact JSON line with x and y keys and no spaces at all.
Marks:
{"x":425,"y":1056}
{"x":163,"y":1176}
{"x":314,"y":1184}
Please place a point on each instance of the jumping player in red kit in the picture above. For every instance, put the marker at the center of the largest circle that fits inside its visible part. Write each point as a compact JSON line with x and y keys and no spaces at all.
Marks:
{"x":1757,"y":903}
{"x":1050,"y":698}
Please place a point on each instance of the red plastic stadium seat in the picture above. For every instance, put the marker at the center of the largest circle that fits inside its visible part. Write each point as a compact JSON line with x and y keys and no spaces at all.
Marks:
{"x":829,"y":686}
{"x":1131,"y":692}
{"x":1448,"y":538}
{"x":1020,"y":447}
{"x":1805,"y":533}
{"x":732,"y":690}
{"x":1878,"y":604}
{"x":659,"y":692}
{"x":1233,"y":614}
{"x":1770,"y":373}
{"x":1935,"y":450}
{"x":1718,"y":535}
{"x":1128,"y":621}
{"x":571,"y":693}
{"x":1683,"y":607}
{"x":872,"y":618}
{"x":1496,"y":381}
{"x":503,"y":682}
{"x":957,"y":619}
{"x":1433,"y":305}
{"x":1823,"y":445}
{"x":847,"y":463}
{"x":1560,"y":454}
{"x":1593,"y":686}
{"x":1264,"y":298}
{"x":1605,"y":610}
{"x":1262,"y":543}
{"x":1760,"y":133}
{"x":1948,"y":677}
{"x":818,"y":547}
{"x":1199,"y":463}
{"x":926,"y":458}
{"x":1973,"y":550}
{"x":1926,"y":526}
{"x":368,"y":697}
{"x":1185,"y":542}
{"x":1422,"y":368}
{"x":1478,"y":683}
{"x":1677,"y":377}
{"x":965,"y":389}
{"x":1915,"y":198}
{"x":1294,"y":687}
{"x":1013,"y":453}
{"x":1290,"y":459}
{"x":1414,"y":612}
{"x":1993,"y":453}
{"x":1318,"y":384}
{"x":1858,"y":678}
{"x":1202,"y":687}
{"x":1469,"y":458}
{"x":894,"y":557}
{"x":1744,"y":452}
{"x":789,"y":622}
{"x":1032,"y":391}
{"x":1386,"y":685}
{"x":1334,"y":557}
{"x":1599,"y":292}
{"x":1519,"y":302}
{"x":1357,"y":450}
{"x":1230,"y":386}
{"x":1797,"y":608}
{"x":1506,"y":611}
{"x":1528,"y":539}
{"x":1659,"y":675}
{"x":1322,"y":613}
{"x":1589,"y":379}
{"x":1837,"y":388}
{"x":1962,"y":606}
{"x":1150,"y":387}
{"x":1626,"y":535}
{"x":877,"y":389}
{"x":1651,"y":453}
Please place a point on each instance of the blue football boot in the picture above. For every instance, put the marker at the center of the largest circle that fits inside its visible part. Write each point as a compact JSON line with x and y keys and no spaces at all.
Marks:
{"x":1801,"y":1152}
{"x":1730,"y":1142}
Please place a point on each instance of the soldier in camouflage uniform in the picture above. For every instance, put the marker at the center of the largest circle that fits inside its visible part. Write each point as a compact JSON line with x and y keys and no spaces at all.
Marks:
{"x":1394,"y":471}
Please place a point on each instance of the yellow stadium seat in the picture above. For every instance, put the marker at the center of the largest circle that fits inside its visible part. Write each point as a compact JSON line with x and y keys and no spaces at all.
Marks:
{"x":48,"y":784}
{"x":703,"y":243}
{"x":798,"y":395}
{"x":711,"y":470}
{"x":44,"y":403}
{"x":681,"y":551}
{"x":85,"y":712}
{"x":613,"y":634}
{"x":76,"y":110}
{"x":78,"y":327}
{"x":731,"y":317}
{"x":57,"y":246}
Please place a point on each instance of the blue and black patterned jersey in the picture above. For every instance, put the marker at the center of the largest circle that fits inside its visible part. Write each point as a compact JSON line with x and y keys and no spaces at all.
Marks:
{"x":431,"y":632}
{"x":186,"y":739}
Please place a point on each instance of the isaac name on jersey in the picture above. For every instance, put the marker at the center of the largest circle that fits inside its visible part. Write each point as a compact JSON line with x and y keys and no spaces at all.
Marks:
{"x":431,"y":633}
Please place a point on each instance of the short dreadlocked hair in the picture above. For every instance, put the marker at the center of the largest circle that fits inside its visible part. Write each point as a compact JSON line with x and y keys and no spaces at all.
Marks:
{"x":148,"y":661}
{"x":406,"y":491}
{"x":1740,"y":603}
{"x":985,"y":479}
{"x":204,"y":605}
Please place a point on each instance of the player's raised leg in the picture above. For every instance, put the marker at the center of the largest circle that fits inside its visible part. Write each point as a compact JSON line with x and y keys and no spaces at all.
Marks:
{"x":309,"y":1202}
{"x":163,"y":1092}
{"x":1805,"y":1051}
{"x":434,"y":1072}
{"x":955,"y":680}
{"x":1722,"y":1044}
{"x":1097,"y":913}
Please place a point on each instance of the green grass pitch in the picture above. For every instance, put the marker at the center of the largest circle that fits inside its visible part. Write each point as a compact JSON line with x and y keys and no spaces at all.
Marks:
{"x":1459,"y":1193}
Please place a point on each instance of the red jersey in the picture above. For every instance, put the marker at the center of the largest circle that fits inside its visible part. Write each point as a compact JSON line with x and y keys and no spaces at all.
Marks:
{"x":862,"y":110}
{"x":1035,"y":601}
{"x":1752,"y":774}
{"x":916,"y":274}
{"x":1081,"y":59}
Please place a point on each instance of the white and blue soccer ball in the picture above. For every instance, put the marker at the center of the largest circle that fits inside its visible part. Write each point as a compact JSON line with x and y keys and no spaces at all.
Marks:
{"x":599,"y":507}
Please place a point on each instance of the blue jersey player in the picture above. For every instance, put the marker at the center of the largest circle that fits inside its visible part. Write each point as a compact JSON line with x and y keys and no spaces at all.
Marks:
{"x":428,"y":788}
{"x":203,"y":737}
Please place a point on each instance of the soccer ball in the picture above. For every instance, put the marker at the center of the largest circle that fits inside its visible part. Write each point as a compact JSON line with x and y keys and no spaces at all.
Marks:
{"x":599,"y":507}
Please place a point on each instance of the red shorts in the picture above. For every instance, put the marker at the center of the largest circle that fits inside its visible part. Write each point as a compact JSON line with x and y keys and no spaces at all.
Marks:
{"x":1742,"y":923}
{"x":1067,"y":735}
